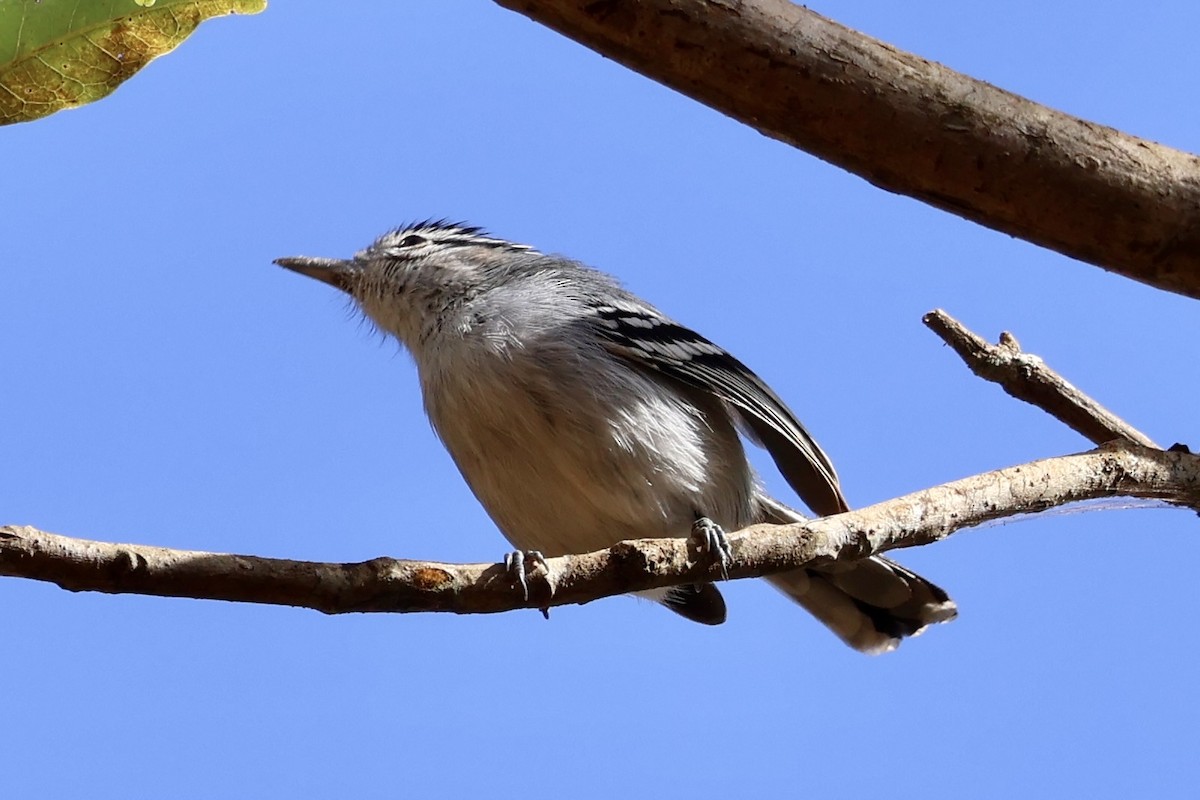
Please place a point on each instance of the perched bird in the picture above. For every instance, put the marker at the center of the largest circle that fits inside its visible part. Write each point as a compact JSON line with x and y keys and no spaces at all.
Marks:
{"x":581,"y":416}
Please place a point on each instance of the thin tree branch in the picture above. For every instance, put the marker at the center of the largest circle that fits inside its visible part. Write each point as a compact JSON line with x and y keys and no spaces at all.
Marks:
{"x":386,"y":584}
{"x":1026,"y":377}
{"x":912,"y":126}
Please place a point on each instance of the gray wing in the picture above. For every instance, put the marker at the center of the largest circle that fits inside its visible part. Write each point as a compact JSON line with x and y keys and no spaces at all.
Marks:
{"x":650,"y":341}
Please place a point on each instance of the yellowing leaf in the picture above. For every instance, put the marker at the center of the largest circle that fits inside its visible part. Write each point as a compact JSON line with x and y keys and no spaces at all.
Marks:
{"x":57,"y":54}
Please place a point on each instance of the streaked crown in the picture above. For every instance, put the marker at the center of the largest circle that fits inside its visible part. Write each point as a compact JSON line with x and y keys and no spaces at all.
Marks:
{"x":429,"y":236}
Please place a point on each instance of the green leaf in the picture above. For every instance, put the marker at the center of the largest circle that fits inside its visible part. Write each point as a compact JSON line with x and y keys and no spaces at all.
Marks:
{"x":57,"y":54}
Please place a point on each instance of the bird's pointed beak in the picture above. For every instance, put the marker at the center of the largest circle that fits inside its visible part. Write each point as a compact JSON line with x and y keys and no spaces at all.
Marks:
{"x":335,"y":272}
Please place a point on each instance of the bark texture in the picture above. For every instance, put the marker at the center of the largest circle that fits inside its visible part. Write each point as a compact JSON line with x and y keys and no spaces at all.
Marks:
{"x":912,"y":126}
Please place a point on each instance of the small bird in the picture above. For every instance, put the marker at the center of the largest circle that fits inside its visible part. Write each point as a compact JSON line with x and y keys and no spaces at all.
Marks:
{"x":580,"y":416}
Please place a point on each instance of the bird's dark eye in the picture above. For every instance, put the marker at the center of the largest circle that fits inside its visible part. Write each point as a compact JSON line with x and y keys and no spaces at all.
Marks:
{"x":411,"y":241}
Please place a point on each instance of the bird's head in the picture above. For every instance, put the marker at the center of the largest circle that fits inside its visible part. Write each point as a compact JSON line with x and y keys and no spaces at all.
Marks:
{"x":412,"y":276}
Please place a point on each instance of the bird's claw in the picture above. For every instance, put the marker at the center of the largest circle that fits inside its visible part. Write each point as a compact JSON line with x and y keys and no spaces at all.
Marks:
{"x":710,"y":538}
{"x":515,"y":562}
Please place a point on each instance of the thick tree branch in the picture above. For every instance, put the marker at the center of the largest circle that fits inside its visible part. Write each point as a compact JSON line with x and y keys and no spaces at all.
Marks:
{"x":912,"y":126}
{"x":386,"y":584}
{"x":1026,"y":377}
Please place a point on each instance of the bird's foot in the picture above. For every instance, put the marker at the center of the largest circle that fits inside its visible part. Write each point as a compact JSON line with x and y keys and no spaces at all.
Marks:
{"x":516,"y":563}
{"x":710,"y":538}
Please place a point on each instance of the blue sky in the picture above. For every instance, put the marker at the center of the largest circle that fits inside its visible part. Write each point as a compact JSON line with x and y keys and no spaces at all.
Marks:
{"x":165,"y":384}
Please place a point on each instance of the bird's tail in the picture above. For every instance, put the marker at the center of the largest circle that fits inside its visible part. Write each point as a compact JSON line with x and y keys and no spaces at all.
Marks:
{"x":870,"y":604}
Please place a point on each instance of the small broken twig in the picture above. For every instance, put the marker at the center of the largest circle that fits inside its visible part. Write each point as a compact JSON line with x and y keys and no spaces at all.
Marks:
{"x":1026,"y":377}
